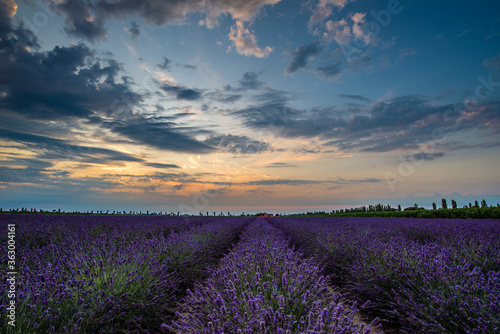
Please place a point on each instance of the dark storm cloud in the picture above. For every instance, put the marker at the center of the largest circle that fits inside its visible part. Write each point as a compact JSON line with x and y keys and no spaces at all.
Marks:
{"x":182,"y":93}
{"x":404,"y":122}
{"x":83,"y":19}
{"x":300,"y":57}
{"x":134,"y":30}
{"x":68,"y":83}
{"x":237,"y":144}
{"x":60,"y":84}
{"x":14,"y":39}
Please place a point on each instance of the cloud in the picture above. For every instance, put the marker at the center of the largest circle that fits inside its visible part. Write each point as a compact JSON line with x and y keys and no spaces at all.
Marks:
{"x":224,"y":98}
{"x":187,"y":66}
{"x":244,"y":10}
{"x":354,"y":97}
{"x":87,"y":18}
{"x":68,"y":85}
{"x":63,"y":83}
{"x":425,"y":156}
{"x":83,"y":19}
{"x":295,"y":182}
{"x":350,"y":30}
{"x":9,"y":8}
{"x":165,"y":64}
{"x":182,"y":93}
{"x":237,"y":144}
{"x":250,"y":80}
{"x":324,"y":9}
{"x":340,"y":31}
{"x":58,"y":149}
{"x":246,"y":42}
{"x":334,"y":66}
{"x":493,"y":62}
{"x":134,"y":30}
{"x":301,"y":57}
{"x":330,"y":71}
{"x":280,"y":165}
{"x":161,"y":165}
{"x":358,"y":20}
{"x":411,"y":120}
{"x":158,"y":134}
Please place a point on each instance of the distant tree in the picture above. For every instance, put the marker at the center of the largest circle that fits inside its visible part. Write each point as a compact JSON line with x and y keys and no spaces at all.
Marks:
{"x":434,"y":207}
{"x":399,"y":207}
{"x":470,"y":205}
{"x":453,"y":204}
{"x":476,"y":204}
{"x":444,"y":205}
{"x":483,"y":204}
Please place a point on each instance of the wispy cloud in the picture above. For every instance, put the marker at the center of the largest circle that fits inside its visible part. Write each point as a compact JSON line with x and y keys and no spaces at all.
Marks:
{"x":134,"y":30}
{"x":280,"y":165}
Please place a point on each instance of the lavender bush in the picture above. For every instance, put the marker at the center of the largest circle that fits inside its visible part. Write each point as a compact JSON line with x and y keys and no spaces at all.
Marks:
{"x":95,"y":274}
{"x":425,"y":276}
{"x":263,"y":286}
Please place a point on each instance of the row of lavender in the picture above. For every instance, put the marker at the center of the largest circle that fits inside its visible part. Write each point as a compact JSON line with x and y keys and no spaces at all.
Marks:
{"x":95,"y":274}
{"x":263,"y":286}
{"x":425,"y":276}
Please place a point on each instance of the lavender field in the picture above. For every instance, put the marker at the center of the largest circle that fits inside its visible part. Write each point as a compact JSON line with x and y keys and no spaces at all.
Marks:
{"x":146,"y":274}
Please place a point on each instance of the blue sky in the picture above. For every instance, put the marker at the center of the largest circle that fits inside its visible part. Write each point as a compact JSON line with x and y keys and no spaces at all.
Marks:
{"x":234,"y":105}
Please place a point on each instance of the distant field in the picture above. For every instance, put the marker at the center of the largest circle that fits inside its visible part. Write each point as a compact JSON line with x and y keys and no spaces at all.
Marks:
{"x":146,"y":274}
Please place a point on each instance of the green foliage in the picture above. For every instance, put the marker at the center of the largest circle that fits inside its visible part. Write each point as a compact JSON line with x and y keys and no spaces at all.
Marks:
{"x":444,"y":205}
{"x":458,"y":213}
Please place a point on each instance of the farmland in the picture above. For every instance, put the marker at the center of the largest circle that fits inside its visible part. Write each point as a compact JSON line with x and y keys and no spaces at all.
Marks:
{"x":147,"y":274}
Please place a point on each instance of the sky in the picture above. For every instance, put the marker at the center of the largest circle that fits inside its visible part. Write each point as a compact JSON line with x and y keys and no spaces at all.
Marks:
{"x":248,"y":106}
